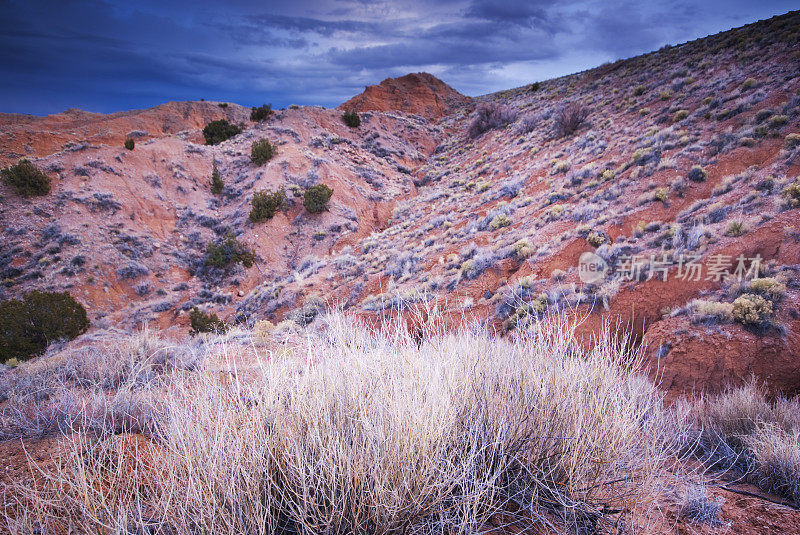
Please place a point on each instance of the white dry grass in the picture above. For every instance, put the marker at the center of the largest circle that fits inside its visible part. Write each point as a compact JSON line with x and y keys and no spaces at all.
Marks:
{"x":756,"y":438}
{"x":377,"y":431}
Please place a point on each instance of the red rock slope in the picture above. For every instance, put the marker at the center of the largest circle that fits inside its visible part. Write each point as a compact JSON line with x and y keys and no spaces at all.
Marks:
{"x":419,"y":93}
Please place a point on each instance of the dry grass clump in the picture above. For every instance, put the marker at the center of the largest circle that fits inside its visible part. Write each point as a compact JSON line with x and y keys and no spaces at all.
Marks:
{"x":697,"y":507}
{"x":381,"y":431}
{"x":103,"y":385}
{"x":710,"y":311}
{"x":757,"y":439}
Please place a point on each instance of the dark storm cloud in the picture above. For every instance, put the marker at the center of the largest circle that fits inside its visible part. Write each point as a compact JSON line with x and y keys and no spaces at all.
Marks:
{"x":104,"y":56}
{"x":517,"y":12}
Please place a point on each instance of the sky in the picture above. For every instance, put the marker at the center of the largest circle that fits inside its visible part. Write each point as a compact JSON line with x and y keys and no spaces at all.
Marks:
{"x":108,"y":56}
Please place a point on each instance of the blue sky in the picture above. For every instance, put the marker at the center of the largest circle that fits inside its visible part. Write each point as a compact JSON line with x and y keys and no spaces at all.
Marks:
{"x":109,"y":56}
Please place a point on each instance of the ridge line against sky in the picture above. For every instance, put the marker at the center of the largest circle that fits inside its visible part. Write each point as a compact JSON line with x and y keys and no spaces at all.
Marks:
{"x":107,"y":56}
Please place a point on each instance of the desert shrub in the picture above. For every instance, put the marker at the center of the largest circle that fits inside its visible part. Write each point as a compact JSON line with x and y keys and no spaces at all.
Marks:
{"x":570,"y":118}
{"x":792,"y":141}
{"x":523,"y":249}
{"x":596,"y":238}
{"x":490,"y":116}
{"x":261,"y":152}
{"x":130,"y":143}
{"x":261,"y":113}
{"x":29,"y":324}
{"x":217,"y":183}
{"x":223,"y":105}
{"x":351,"y":119}
{"x":640,"y":89}
{"x":206,"y":323}
{"x":752,"y":309}
{"x":26,"y":179}
{"x":680,"y":115}
{"x":748,"y":84}
{"x":792,"y":193}
{"x":446,"y":430}
{"x":218,"y":131}
{"x":227,"y":252}
{"x":768,"y":286}
{"x":500,"y":221}
{"x":528,"y":124}
{"x":265,"y":204}
{"x":697,"y":174}
{"x":316,"y":198}
{"x":710,"y":311}
{"x":776,"y":121}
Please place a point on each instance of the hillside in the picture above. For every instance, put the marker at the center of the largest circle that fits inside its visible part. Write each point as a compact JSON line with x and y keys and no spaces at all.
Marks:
{"x":489,"y":227}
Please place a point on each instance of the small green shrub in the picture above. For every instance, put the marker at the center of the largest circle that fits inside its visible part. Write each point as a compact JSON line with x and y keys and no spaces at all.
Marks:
{"x":748,"y":84}
{"x":223,"y":105}
{"x":639,"y":91}
{"x":206,"y":323}
{"x":697,"y":174}
{"x":26,"y":179}
{"x":316,"y":198}
{"x":218,"y":131}
{"x":351,"y":119}
{"x":261,"y":113}
{"x":261,"y":152}
{"x":752,"y":309}
{"x":27,"y":325}
{"x":227,"y":252}
{"x":265,"y":204}
{"x":130,"y":143}
{"x":736,"y":228}
{"x":217,"y":184}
